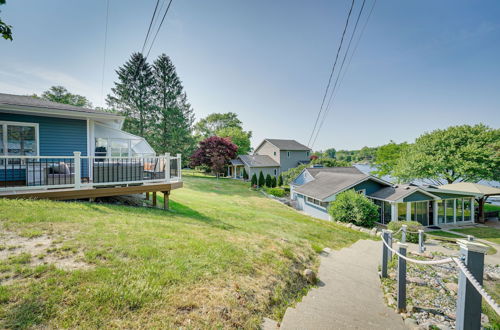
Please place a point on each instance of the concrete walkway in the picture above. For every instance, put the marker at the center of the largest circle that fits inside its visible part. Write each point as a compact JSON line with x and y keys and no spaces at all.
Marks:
{"x":349,"y":295}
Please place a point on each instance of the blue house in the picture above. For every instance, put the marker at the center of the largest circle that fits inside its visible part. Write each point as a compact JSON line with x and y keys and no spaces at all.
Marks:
{"x":315,"y":188}
{"x":46,"y":145}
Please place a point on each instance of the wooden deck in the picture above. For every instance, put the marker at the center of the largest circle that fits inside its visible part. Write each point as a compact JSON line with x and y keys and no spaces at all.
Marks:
{"x":84,"y":193}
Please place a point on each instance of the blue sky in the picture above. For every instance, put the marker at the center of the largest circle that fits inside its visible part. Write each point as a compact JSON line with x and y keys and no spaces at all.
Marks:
{"x":420,"y":65}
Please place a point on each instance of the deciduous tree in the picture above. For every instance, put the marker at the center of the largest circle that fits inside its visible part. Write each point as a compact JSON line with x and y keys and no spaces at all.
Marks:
{"x":214,"y":122}
{"x":5,"y":29}
{"x":215,"y":153}
{"x":238,"y":137}
{"x":458,"y":153}
{"x":61,"y":95}
{"x":387,"y":157}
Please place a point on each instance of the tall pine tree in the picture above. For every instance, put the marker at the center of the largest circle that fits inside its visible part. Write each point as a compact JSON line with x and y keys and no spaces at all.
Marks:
{"x":132,"y":95}
{"x":174,"y":114}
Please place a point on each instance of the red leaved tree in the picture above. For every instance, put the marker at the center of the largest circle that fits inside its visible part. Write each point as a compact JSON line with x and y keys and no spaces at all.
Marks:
{"x":215,"y":153}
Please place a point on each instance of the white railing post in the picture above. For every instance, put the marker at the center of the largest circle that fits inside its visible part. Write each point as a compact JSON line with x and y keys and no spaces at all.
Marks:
{"x":167,"y":167}
{"x":179,"y":167}
{"x":78,"y":169}
{"x":403,"y":233}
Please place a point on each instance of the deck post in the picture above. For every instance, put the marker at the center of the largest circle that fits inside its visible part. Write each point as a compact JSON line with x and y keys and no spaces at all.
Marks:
{"x":385,"y":253}
{"x":468,"y":299}
{"x":147,"y":195}
{"x":403,"y":233}
{"x":78,"y":169}
{"x":167,"y":167}
{"x":154,"y":198}
{"x":421,"y":247}
{"x":166,"y":198}
{"x":179,"y":167}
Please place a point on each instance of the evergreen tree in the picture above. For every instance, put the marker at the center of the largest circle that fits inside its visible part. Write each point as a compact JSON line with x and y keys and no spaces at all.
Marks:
{"x":245,"y":174}
{"x":132,"y":95}
{"x":262,"y":181}
{"x":174,"y":115}
{"x":273,"y":182}
{"x":280,"y":181}
{"x":254,"y":180}
{"x":268,"y":181}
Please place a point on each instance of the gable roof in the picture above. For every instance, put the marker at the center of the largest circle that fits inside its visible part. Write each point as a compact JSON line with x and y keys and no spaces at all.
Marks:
{"x":282,"y":144}
{"x":258,"y":161}
{"x":33,"y":104}
{"x":398,"y":192}
{"x":333,"y":180}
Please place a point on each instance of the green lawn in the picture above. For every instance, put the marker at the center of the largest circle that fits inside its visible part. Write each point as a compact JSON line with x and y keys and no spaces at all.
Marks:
{"x":489,"y":234}
{"x":450,"y":237}
{"x":224,"y":257}
{"x":491,"y":208}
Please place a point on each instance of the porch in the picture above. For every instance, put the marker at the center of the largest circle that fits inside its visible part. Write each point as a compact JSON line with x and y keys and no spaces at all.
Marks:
{"x":235,"y":169}
{"x":81,"y":177}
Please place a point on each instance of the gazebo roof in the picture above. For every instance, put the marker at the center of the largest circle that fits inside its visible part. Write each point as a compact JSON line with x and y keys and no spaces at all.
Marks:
{"x":472,"y":188}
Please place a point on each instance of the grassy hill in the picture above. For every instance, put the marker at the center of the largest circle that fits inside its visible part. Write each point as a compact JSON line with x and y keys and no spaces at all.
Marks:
{"x":225,"y":256}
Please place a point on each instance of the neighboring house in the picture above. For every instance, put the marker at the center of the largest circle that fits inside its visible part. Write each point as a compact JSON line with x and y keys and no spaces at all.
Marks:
{"x":272,"y":156}
{"x":46,"y":145}
{"x":315,"y":188}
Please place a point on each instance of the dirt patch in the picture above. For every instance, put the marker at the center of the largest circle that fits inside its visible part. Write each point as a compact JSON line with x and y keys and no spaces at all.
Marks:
{"x":42,"y":250}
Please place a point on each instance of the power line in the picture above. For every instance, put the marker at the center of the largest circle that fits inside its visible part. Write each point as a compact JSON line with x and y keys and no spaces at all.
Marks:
{"x":331,"y":73}
{"x":104,"y":52}
{"x":337,"y":84}
{"x":149,"y":28}
{"x":159,"y":27}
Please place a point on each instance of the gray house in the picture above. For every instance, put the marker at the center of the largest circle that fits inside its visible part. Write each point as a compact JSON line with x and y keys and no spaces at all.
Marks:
{"x":315,"y":188}
{"x":272,"y":156}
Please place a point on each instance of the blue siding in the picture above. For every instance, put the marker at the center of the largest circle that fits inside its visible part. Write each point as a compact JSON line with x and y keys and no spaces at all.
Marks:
{"x":312,"y":209}
{"x":370,"y":186}
{"x":57,"y":136}
{"x":416,"y":197}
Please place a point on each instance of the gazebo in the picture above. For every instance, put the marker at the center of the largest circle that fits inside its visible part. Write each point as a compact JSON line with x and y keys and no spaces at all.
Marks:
{"x":485,"y":191}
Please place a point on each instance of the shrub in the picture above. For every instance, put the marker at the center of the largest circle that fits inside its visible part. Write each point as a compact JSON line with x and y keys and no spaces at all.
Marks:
{"x":413,"y":226}
{"x":269,"y":181}
{"x":278,"y":192}
{"x":261,"y":181}
{"x":280,"y":180}
{"x":273,"y":182}
{"x":349,"y":206}
{"x":254,"y":180}
{"x":245,"y":174}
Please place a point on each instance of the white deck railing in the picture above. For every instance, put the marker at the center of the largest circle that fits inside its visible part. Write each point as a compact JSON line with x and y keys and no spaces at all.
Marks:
{"x":76,"y":171}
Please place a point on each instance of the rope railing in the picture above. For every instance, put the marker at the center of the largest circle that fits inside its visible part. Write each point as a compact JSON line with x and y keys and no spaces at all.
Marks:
{"x":421,"y":262}
{"x":477,"y":285}
{"x":463,"y":268}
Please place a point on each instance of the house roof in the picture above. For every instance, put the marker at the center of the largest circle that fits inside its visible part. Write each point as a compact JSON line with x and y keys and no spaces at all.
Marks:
{"x":38,"y":105}
{"x":327,"y":184}
{"x":347,"y":170}
{"x":282,"y":144}
{"x":258,"y":161}
{"x":235,"y":162}
{"x":469,"y":187}
{"x":398,"y":192}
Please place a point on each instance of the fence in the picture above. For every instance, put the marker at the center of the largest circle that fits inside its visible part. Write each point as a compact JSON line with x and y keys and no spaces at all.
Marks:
{"x":471,"y":266}
{"x":43,"y":172}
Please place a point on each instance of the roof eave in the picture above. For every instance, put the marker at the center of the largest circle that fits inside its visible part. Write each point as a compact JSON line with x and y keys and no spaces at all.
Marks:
{"x":46,"y":112}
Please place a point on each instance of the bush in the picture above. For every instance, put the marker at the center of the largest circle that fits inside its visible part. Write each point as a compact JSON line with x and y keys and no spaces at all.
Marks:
{"x":411,"y":226}
{"x":280,"y":181}
{"x":269,"y":181}
{"x":262,"y":181}
{"x":273,"y":182}
{"x":278,"y":192}
{"x":254,"y":180}
{"x":349,"y":206}
{"x":245,"y":174}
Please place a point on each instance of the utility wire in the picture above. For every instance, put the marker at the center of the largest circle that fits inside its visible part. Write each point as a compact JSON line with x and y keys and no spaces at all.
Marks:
{"x":149,"y":28}
{"x":334,"y":89}
{"x":159,"y":27}
{"x":331,"y":73}
{"x":104,"y":52}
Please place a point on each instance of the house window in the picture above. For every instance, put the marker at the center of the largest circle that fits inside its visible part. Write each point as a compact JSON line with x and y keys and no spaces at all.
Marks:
{"x":18,"y":139}
{"x":315,"y":201}
{"x":274,"y":153}
{"x":307,"y":153}
{"x":275,"y":172}
{"x":361,"y":192}
{"x":112,"y":147}
{"x":288,"y":154}
{"x":402,"y":211}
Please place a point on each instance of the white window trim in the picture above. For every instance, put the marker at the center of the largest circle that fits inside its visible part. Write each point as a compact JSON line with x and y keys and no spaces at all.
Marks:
{"x":17,"y":123}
